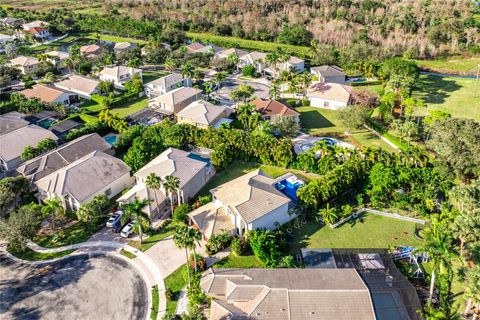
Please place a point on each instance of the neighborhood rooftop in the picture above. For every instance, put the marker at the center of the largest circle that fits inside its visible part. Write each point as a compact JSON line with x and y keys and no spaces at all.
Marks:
{"x":168,"y":80}
{"x":330,"y":91}
{"x":273,"y":107}
{"x":45,"y":93}
{"x":78,"y":83}
{"x":177,"y":95}
{"x":202,"y":112}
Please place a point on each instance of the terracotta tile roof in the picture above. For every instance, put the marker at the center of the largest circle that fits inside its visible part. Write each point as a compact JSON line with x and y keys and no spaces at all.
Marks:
{"x":46,"y":94}
{"x":24,"y":61}
{"x":79,"y":83}
{"x":273,"y":107}
{"x":195,"y":46}
{"x":330,"y":91}
{"x":91,"y":48}
{"x":35,"y":30}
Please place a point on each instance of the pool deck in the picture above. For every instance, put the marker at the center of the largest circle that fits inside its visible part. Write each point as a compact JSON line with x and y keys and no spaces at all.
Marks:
{"x":299,"y":141}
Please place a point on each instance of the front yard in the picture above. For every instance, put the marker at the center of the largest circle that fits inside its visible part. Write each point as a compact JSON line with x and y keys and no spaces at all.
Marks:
{"x":325,"y":122}
{"x":370,"y":231}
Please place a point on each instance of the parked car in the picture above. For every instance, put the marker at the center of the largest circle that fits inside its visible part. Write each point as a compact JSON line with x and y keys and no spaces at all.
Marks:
{"x":119,"y":225}
{"x":114,"y":219}
{"x":127,"y":231}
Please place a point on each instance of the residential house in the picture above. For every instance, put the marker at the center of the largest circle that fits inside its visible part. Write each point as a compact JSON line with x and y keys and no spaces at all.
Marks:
{"x":12,"y":121}
{"x":332,"y":74}
{"x":34,"y":24}
{"x":119,"y":75}
{"x":197,"y":47}
{"x":255,"y":58}
{"x":26,"y":65}
{"x":17,"y":136}
{"x":54,"y":160}
{"x":120,"y":47}
{"x":273,"y":109}
{"x":224,"y":54}
{"x":91,"y":50}
{"x":39,"y":33}
{"x":4,"y":39}
{"x":246,"y":203}
{"x":96,"y":173}
{"x":201,"y":114}
{"x":57,"y":58}
{"x":83,"y":86}
{"x":292,"y":64}
{"x":165,"y":84}
{"x":50,"y":94}
{"x":62,"y":128}
{"x":192,"y":170}
{"x":175,"y":100}
{"x":329,"y":95}
{"x":287,"y":294}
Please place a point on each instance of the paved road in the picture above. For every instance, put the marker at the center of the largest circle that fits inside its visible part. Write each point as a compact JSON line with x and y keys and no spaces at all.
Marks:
{"x":70,"y":289}
{"x":260,"y":90}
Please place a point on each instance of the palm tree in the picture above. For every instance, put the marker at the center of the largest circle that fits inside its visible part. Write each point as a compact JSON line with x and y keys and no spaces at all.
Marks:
{"x":196,"y":236}
{"x":154,"y":182}
{"x":329,"y":215}
{"x":54,"y":209}
{"x":233,"y":58}
{"x":219,"y":77}
{"x":134,"y":62}
{"x":272,"y":59}
{"x":188,"y":71}
{"x":208,"y":88}
{"x":274,"y":89}
{"x":135,"y":210}
{"x":438,"y":245}
{"x":183,"y":240}
{"x":171,"y":185}
{"x":171,"y":64}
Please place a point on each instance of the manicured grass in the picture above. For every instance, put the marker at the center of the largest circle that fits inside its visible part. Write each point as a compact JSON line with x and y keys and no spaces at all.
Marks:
{"x":298,"y":51}
{"x":155,"y":303}
{"x":325,"y":122}
{"x":130,"y":106}
{"x":370,"y":231}
{"x":111,"y":38}
{"x":234,"y":261}
{"x":454,"y":65}
{"x":150,"y":75}
{"x":175,"y":282}
{"x":450,"y":94}
{"x":30,"y":255}
{"x":127,"y":254}
{"x":165,"y":231}
{"x":78,"y":232}
{"x":88,"y":118}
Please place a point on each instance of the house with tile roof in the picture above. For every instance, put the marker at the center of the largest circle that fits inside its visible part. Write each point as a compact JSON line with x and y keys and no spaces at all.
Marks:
{"x":16,"y":137}
{"x":51,"y":94}
{"x":224,"y":54}
{"x":175,"y":100}
{"x":57,"y":58}
{"x":246,"y":203}
{"x":201,"y":114}
{"x":38,"y":33}
{"x":26,"y":65}
{"x":45,"y":164}
{"x":120,"y":47}
{"x":331,"y":74}
{"x":119,"y":75}
{"x":34,"y":24}
{"x":197,"y":47}
{"x":255,"y":58}
{"x":165,"y":84}
{"x":78,"y":182}
{"x":91,"y":50}
{"x":294,"y":64}
{"x":83,"y":86}
{"x":329,"y":95}
{"x":272,"y":109}
{"x":191,"y":169}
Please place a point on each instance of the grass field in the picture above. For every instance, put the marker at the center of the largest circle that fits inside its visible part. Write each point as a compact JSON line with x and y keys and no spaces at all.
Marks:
{"x":128,"y":107}
{"x":298,"y":51}
{"x":371,"y":231}
{"x":234,"y":261}
{"x":450,"y":94}
{"x":149,"y":241}
{"x":324,"y":122}
{"x":175,"y":282}
{"x":30,"y":255}
{"x":150,"y":75}
{"x":458,"y":65}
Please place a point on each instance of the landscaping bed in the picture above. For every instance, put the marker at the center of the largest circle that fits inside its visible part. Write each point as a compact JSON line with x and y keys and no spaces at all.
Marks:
{"x":163,"y":232}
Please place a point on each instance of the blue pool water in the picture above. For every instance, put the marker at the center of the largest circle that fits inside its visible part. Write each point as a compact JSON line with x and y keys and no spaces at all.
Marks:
{"x":200,"y":158}
{"x":289,"y":189}
{"x":111,"y":139}
{"x":46,"y":123}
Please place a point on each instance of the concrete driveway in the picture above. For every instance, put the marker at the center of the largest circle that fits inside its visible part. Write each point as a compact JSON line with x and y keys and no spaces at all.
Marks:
{"x":107,"y":234}
{"x":261,"y":89}
{"x":78,"y":287}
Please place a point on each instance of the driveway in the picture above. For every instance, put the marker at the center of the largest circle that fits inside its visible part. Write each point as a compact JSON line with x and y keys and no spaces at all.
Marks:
{"x":107,"y":234}
{"x":78,"y":287}
{"x":261,"y":89}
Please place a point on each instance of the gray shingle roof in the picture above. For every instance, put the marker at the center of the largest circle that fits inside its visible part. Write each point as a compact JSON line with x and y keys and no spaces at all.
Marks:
{"x":168,"y":80}
{"x":11,"y":121}
{"x":329,"y":71}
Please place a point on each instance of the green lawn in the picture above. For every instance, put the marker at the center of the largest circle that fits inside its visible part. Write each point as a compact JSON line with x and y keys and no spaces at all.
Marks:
{"x":455,"y":65}
{"x":325,"y":122}
{"x":30,"y":255}
{"x":450,"y":94}
{"x":165,"y":231}
{"x":175,"y":282}
{"x":150,"y":75}
{"x":111,"y":38}
{"x":234,"y":261}
{"x":371,"y":231}
{"x":130,"y":106}
{"x":155,"y":303}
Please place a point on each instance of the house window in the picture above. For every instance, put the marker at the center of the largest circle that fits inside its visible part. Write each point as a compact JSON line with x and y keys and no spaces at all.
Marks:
{"x":326,"y":104}
{"x":108,"y":192}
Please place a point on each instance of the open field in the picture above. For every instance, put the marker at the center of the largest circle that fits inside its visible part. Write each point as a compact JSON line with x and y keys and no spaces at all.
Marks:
{"x":459,"y":65}
{"x":324,"y":122}
{"x":450,"y":94}
{"x":370,"y":231}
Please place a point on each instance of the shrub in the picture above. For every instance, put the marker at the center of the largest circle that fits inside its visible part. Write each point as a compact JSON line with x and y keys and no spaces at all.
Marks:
{"x":265,"y":247}
{"x":218,"y":242}
{"x":249,"y":71}
{"x":293,"y":102}
{"x":180,"y":213}
{"x":168,"y":294}
{"x":240,"y":246}
{"x":201,"y":262}
{"x":202,"y":200}
{"x":305,"y":103}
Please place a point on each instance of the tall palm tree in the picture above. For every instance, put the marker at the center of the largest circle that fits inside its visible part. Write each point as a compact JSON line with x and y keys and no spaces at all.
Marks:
{"x":135,"y":210}
{"x":274,"y":89}
{"x":183,"y":240}
{"x":219,"y":77}
{"x":171,"y":64}
{"x":196,"y":236}
{"x":54,"y":209}
{"x":171,"y":185}
{"x":188,"y":70}
{"x":154,"y":182}
{"x":233,"y":58}
{"x":208,"y":88}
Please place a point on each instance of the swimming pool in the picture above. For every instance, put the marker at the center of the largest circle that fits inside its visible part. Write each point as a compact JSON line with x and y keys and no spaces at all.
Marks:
{"x":46,"y":123}
{"x":195,"y":156}
{"x":288,"y":188}
{"x":110,"y":138}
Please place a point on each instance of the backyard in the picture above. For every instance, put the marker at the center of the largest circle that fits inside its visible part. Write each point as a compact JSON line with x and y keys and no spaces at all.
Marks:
{"x":369,"y":231}
{"x":455,"y":65}
{"x":451,"y":94}
{"x":325,"y":122}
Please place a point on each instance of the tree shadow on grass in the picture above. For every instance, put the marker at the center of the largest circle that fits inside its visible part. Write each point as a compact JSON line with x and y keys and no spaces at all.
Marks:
{"x":435,"y":89}
{"x":314,"y":119}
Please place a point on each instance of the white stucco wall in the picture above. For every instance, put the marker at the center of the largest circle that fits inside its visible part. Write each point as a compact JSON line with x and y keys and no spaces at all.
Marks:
{"x":267,"y":221}
{"x":320,"y":103}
